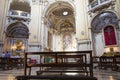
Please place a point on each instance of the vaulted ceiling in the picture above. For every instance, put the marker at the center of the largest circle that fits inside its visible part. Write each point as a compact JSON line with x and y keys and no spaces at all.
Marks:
{"x":60,"y":17}
{"x":17,"y":30}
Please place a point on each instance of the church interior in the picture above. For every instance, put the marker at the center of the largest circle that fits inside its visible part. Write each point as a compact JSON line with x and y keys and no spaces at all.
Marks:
{"x":48,"y":38}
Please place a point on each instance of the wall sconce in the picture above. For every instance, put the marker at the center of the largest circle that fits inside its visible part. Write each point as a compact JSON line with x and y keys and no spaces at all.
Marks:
{"x":23,"y":48}
{"x":13,"y":48}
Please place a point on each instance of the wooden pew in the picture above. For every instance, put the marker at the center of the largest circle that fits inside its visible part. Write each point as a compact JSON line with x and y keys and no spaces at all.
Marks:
{"x":96,"y":61}
{"x":106,"y":62}
{"x":59,"y":61}
{"x":4,"y":63}
{"x":55,"y":77}
{"x":109,"y":62}
{"x":10,"y":63}
{"x":117,"y":62}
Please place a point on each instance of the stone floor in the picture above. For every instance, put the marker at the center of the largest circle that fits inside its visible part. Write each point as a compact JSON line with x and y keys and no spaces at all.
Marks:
{"x":100,"y":74}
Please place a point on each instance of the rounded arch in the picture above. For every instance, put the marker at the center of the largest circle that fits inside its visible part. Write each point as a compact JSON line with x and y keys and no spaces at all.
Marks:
{"x":57,"y":4}
{"x":17,"y":30}
{"x":107,"y":10}
{"x":54,"y":14}
{"x":48,"y":8}
{"x":103,"y":19}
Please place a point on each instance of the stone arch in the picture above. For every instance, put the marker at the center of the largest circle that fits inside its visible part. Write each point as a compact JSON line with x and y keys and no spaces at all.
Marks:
{"x":60,"y":20}
{"x":47,"y":8}
{"x":56,"y":10}
{"x":102,"y":19}
{"x":17,"y":30}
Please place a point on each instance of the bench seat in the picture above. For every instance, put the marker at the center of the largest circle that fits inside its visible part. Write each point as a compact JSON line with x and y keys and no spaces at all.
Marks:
{"x":56,"y":77}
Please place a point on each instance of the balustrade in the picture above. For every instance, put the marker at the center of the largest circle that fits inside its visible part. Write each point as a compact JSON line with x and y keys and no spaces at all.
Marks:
{"x":98,"y":4}
{"x":19,"y":14}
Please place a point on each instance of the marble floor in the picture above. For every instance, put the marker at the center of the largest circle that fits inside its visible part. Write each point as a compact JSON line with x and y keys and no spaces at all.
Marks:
{"x":100,"y":74}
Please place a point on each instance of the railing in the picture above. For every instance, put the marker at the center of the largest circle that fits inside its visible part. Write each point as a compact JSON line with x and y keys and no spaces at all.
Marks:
{"x":19,"y":14}
{"x":98,"y":4}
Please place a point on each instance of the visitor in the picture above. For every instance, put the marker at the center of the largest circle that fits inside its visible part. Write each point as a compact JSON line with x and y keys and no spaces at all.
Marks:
{"x":3,"y":54}
{"x":7,"y":54}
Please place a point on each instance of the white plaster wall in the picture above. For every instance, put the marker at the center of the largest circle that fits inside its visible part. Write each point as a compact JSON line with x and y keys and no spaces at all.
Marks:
{"x":84,"y":45}
{"x":36,"y":29}
{"x":3,"y":14}
{"x":34,"y":49}
{"x":82,"y":25}
{"x":117,"y":8}
{"x":57,"y":43}
{"x":99,"y":44}
{"x":35,"y":23}
{"x":81,"y":19}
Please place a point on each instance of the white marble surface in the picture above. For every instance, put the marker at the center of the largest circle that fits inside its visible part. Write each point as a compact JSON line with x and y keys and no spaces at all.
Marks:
{"x":100,"y":74}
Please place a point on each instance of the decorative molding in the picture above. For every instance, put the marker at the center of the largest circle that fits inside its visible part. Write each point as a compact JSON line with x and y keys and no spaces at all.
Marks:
{"x":98,"y":5}
{"x":41,"y":2}
{"x":84,"y":42}
{"x":103,"y":19}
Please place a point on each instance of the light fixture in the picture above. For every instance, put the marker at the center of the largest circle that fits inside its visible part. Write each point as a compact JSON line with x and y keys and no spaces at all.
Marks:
{"x":65,"y":13}
{"x":73,"y":74}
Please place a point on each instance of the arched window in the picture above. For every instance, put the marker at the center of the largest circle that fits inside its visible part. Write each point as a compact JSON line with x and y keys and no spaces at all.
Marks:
{"x":109,"y":36}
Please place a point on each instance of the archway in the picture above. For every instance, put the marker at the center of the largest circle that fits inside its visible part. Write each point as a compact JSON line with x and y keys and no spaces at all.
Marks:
{"x":60,"y":21}
{"x":16,"y":37}
{"x":98,"y":24}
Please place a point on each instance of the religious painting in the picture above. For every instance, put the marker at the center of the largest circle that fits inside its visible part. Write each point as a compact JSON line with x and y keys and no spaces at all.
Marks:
{"x":19,"y":44}
{"x":109,"y":36}
{"x":67,"y":41}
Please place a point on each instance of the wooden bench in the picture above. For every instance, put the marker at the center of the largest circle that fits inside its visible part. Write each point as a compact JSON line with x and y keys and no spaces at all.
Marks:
{"x":56,"y":77}
{"x":83,"y":60}
{"x":117,"y":63}
{"x":105,"y":62}
{"x":96,"y":61}
{"x":9,"y":63}
{"x":62,"y":72}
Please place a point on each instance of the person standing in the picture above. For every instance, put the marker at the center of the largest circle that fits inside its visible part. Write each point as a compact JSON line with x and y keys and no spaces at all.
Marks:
{"x":3,"y":54}
{"x":7,"y":55}
{"x":3,"y":60}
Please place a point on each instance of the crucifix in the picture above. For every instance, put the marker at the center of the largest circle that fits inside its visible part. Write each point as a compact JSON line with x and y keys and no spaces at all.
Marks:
{"x":109,"y":30}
